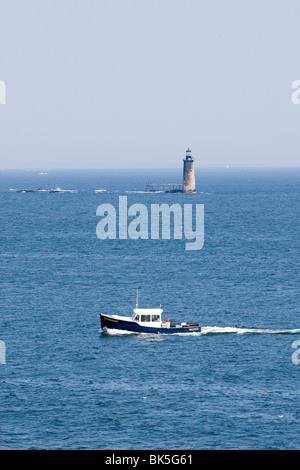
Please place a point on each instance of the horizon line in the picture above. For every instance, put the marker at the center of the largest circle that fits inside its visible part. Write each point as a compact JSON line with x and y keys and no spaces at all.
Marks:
{"x":151,"y":168}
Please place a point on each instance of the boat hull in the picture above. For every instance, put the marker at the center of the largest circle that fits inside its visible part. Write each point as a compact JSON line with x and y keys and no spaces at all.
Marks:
{"x":113,"y":323}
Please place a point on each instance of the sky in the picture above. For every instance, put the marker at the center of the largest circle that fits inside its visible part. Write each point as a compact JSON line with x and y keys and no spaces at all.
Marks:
{"x":134,"y":83}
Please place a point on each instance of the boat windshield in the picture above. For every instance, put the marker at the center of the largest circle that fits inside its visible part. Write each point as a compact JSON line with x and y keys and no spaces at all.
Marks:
{"x":155,"y":317}
{"x":147,"y":318}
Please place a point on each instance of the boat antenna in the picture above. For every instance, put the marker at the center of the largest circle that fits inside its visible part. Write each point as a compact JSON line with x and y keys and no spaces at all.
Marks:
{"x":137,"y":298}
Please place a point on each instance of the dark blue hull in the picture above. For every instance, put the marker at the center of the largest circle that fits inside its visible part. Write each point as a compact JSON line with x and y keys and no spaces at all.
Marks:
{"x":116,"y":324}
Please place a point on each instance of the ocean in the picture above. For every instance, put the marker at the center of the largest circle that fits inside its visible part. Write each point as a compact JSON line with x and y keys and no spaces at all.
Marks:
{"x":66,"y":385}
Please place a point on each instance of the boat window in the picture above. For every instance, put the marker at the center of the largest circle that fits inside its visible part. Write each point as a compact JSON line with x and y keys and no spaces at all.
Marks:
{"x":145,"y":317}
{"x":137,"y":318}
{"x":155,"y":317}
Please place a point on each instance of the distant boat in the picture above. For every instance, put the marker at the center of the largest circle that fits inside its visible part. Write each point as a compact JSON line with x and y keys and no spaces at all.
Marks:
{"x":43,"y":173}
{"x":146,"y":320}
{"x":100,"y":190}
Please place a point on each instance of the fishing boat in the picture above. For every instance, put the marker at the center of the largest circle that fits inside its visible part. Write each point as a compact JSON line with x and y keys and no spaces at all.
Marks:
{"x":146,"y":320}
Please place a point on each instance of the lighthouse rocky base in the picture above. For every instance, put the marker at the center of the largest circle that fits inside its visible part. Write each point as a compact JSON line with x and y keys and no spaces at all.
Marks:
{"x":188,"y":183}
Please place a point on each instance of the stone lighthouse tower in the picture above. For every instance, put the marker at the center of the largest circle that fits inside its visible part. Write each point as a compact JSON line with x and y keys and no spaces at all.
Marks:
{"x":189,"y":185}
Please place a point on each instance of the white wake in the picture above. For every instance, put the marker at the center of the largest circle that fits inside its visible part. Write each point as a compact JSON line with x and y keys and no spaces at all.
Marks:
{"x":210,"y":330}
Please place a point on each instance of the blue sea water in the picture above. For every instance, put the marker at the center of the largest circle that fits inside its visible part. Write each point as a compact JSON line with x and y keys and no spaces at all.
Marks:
{"x":66,"y":385}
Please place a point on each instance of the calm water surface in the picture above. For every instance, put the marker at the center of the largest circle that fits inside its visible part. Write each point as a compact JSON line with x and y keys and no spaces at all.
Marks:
{"x":65,"y":385}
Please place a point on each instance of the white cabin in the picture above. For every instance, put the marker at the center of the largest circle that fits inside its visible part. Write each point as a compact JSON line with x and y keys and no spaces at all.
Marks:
{"x":148,"y":317}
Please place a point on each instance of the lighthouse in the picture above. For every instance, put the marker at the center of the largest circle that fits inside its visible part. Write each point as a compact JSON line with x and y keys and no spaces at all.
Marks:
{"x":189,"y":185}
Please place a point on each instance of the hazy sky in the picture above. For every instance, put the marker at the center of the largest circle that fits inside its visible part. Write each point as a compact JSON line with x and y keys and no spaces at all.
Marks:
{"x":133,"y":83}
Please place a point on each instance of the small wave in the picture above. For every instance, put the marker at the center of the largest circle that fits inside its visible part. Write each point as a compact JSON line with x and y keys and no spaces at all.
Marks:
{"x":211,"y":330}
{"x":41,"y":190}
{"x":187,"y":333}
{"x":59,"y":190}
{"x":136,"y":192}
